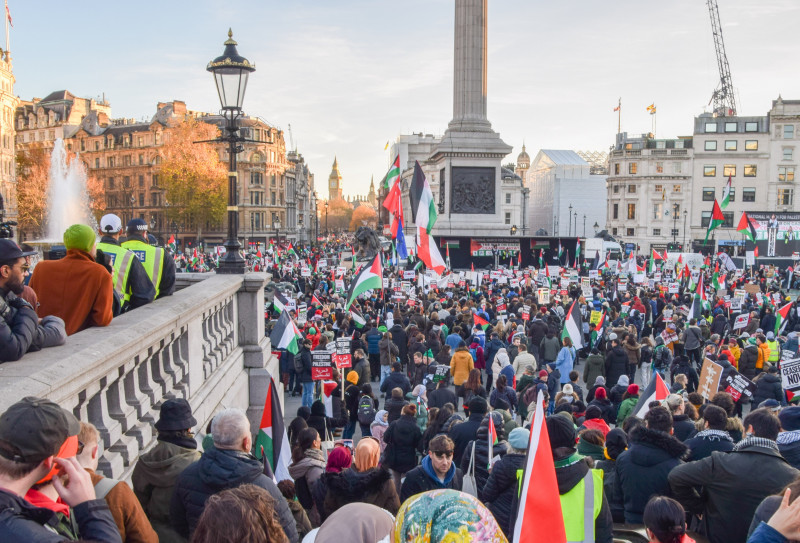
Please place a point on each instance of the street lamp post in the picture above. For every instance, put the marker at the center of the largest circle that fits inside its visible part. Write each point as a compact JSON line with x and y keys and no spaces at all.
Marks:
{"x":576,"y":222}
{"x":674,"y":224}
{"x":685,"y":213}
{"x":584,"y":225}
{"x":569,"y":225}
{"x":514,"y":230}
{"x":277,"y":225}
{"x":231,"y":71}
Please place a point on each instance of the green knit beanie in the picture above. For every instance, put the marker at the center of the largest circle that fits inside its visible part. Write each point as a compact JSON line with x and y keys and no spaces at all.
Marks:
{"x":79,"y":236}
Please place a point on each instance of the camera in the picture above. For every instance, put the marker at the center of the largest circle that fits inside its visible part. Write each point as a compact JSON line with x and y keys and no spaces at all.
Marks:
{"x":7,"y":229}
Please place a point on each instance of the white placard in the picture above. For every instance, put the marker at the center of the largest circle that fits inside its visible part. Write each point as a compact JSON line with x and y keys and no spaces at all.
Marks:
{"x":750,"y":258}
{"x":673,"y":288}
{"x":544,"y":296}
{"x":305,"y":272}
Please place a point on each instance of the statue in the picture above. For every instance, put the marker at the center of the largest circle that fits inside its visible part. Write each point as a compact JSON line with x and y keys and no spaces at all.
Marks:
{"x":368,"y":243}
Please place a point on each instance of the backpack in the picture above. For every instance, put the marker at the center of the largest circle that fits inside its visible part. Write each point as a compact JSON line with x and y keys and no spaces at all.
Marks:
{"x":366,"y":410}
{"x":303,"y":492}
{"x":662,"y":358}
{"x":530,"y":394}
{"x":474,"y":353}
{"x":298,"y":363}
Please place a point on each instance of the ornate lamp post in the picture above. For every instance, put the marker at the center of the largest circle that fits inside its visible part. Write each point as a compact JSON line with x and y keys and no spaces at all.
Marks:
{"x":231,"y":71}
{"x":569,"y":225}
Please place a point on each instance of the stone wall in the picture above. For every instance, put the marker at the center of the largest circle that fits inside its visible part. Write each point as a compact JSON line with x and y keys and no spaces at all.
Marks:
{"x":205,"y":343}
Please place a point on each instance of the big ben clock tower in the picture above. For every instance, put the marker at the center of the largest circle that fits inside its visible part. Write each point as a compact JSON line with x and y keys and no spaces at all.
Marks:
{"x":335,"y":182}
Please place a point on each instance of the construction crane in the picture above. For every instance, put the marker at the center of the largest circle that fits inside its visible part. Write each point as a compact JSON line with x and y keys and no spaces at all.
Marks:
{"x":291,"y":140}
{"x":723,"y":98}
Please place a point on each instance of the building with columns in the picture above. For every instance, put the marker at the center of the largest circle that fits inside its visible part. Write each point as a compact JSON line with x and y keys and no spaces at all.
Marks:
{"x":8,"y":169}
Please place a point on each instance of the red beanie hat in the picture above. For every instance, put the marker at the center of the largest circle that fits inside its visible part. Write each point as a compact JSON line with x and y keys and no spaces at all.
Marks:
{"x":600,"y":393}
{"x":633,"y":389}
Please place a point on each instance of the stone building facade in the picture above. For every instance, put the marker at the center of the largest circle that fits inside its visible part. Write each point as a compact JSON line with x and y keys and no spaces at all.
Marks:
{"x":8,"y":174}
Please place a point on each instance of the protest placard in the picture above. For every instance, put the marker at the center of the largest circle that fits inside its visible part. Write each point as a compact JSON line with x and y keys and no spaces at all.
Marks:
{"x":669,"y":337}
{"x":321,"y":368}
{"x":340,"y":270}
{"x":526,"y":312}
{"x":322,"y":263}
{"x":741,"y":321}
{"x":594,"y":274}
{"x":544,"y":296}
{"x":343,"y":358}
{"x":740,"y":293}
{"x":302,"y":314}
{"x":667,"y":314}
{"x":595,"y":317}
{"x":639,"y":278}
{"x":586,"y":292}
{"x":305,"y":272}
{"x":710,"y":375}
{"x":339,"y":285}
{"x":409,"y":274}
{"x":790,"y":375}
{"x":673,"y":288}
{"x":440,"y":373}
{"x":739,"y":385}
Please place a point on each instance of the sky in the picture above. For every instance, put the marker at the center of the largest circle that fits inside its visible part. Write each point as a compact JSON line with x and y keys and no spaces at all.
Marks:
{"x":349,"y":75}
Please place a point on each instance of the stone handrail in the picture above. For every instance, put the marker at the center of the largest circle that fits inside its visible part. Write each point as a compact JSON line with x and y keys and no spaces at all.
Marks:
{"x":205,"y":343}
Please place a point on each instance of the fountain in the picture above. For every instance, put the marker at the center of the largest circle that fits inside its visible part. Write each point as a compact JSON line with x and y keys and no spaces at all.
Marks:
{"x":68,"y":201}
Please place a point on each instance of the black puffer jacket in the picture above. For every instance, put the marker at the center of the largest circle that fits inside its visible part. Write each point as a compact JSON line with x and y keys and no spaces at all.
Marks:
{"x":501,"y":491}
{"x":402,"y":438}
{"x":616,"y":364}
{"x":748,"y":360}
{"x":612,"y":489}
{"x":768,"y":387}
{"x":644,"y":467}
{"x":21,"y":332}
{"x":394,"y":406}
{"x":482,"y":450}
{"x":727,"y":371}
{"x":463,"y":433}
{"x":220,"y":469}
{"x":373,"y":486}
{"x":321,"y":422}
{"x":681,"y":365}
{"x":682,"y":427}
{"x":607,"y":409}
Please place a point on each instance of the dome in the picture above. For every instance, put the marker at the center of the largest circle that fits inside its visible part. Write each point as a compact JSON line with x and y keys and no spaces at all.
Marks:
{"x":524,"y":159}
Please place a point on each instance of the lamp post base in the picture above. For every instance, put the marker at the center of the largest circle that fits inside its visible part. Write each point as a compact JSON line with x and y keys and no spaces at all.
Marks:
{"x":232,"y":261}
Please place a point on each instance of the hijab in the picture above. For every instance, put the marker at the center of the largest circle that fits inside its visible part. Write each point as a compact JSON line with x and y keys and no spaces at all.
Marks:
{"x":355,"y":523}
{"x":339,"y":459}
{"x":367,"y":454}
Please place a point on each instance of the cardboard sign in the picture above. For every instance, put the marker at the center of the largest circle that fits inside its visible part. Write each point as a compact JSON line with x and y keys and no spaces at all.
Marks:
{"x":409,"y":274}
{"x":709,"y":379}
{"x":321,"y":368}
{"x":342,"y":357}
{"x":595,"y":317}
{"x":673,"y":288}
{"x":322,"y":263}
{"x":340,"y":270}
{"x":790,"y":375}
{"x":544,"y":296}
{"x":526,"y":312}
{"x":739,"y":385}
{"x":305,"y":272}
{"x":440,"y":373}
{"x":669,"y":337}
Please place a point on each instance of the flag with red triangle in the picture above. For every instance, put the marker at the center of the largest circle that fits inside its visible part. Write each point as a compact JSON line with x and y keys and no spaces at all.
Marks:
{"x":656,"y":391}
{"x":315,"y":301}
{"x":491,"y":438}
{"x":480,"y":321}
{"x":782,"y":317}
{"x":656,"y":256}
{"x":717,"y":220}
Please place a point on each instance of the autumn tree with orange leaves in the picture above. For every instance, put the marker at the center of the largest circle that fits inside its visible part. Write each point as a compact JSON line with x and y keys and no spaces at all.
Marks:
{"x":193,"y":176}
{"x":363,"y":216}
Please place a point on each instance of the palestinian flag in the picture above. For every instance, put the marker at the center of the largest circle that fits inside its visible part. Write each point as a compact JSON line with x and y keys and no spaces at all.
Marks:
{"x":573,"y":326}
{"x":171,"y":245}
{"x":598,"y":329}
{"x":726,"y":193}
{"x":715,"y":277}
{"x":393,"y":174}
{"x":357,"y":317}
{"x":290,"y":250}
{"x":717,"y":220}
{"x":279,"y":301}
{"x":285,"y":334}
{"x":272,"y":443}
{"x":657,"y":390}
{"x":370,"y":278}
{"x":480,"y":321}
{"x":595,"y":261}
{"x":539,"y":516}
{"x":651,"y":267}
{"x":656,"y":256}
{"x":315,"y":301}
{"x":547,"y":275}
{"x":782,"y":317}
{"x":700,"y":302}
{"x":541,"y":258}
{"x":423,"y":207}
{"x":491,"y":439}
{"x":606,"y":265}
{"x":560,"y":251}
{"x":577,"y":252}
{"x":429,"y":253}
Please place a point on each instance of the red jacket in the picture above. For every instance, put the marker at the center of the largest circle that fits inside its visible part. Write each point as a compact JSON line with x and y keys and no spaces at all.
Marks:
{"x":75,"y":288}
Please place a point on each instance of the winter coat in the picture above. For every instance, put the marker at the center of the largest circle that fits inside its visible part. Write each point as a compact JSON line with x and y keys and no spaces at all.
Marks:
{"x":394,"y":406}
{"x":128,"y":515}
{"x":692,"y":338}
{"x":616,"y":364}
{"x":732,"y":491}
{"x":21,"y":332}
{"x":153,"y":481}
{"x":400,"y":339}
{"x":422,"y":478}
{"x":626,"y":409}
{"x":320,"y":422}
{"x":501,"y":360}
{"x":612,"y":489}
{"x":571,"y":475}
{"x":682,"y":365}
{"x":595,"y":367}
{"x":396,"y":379}
{"x":548,"y":349}
{"x":634,"y":353}
{"x":460,"y":365}
{"x":702,"y":444}
{"x":565,"y":362}
{"x":768,"y":387}
{"x":373,"y":338}
{"x":376,"y":430}
{"x":719,"y":324}
{"x":220,"y":469}
{"x":441,"y":396}
{"x":305,"y":356}
{"x":361,"y":367}
{"x":482,"y":450}
{"x":463,"y":433}
{"x":644,"y":467}
{"x":682,"y":427}
{"x":388,"y":351}
{"x":607,"y":409}
{"x":374,"y":486}
{"x":790,"y":450}
{"x":727,"y":371}
{"x":311,"y":467}
{"x":491,"y":349}
{"x":768,"y":323}
{"x":615,"y":397}
{"x":501,"y":493}
{"x":507,"y":399}
{"x":748,"y":360}
{"x":402,"y":438}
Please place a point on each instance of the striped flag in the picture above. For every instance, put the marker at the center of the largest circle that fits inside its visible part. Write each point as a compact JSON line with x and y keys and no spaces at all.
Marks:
{"x":272,"y":443}
{"x":782,"y":317}
{"x":657,"y":390}
{"x":285,"y":334}
{"x":279,"y":301}
{"x":491,"y":438}
{"x":573,"y":326}
{"x":423,"y":207}
{"x":369,"y":278}
{"x":357,"y":317}
{"x":726,"y":193}
{"x":480,"y":321}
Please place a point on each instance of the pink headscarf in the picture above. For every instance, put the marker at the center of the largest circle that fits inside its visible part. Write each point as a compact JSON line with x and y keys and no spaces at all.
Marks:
{"x":339,"y":459}
{"x":368,"y":453}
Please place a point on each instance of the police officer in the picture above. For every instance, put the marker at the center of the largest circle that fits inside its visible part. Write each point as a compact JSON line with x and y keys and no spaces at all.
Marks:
{"x":157,"y":262}
{"x":129,"y":277}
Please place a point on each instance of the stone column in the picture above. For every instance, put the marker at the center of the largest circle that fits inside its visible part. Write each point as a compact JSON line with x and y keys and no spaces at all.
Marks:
{"x":469,"y":68}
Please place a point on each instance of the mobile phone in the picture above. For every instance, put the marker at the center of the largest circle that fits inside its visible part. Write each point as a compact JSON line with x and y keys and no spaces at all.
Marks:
{"x":348,"y":443}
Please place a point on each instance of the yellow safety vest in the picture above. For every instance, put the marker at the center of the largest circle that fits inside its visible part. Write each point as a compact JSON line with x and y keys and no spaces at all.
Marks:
{"x":774,"y":351}
{"x":152,"y":258}
{"x":121,"y":260}
{"x":581,"y":507}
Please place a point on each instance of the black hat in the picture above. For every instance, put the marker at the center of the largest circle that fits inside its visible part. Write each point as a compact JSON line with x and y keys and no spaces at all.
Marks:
{"x":593,"y":412}
{"x":9,"y":250}
{"x":137,"y":225}
{"x":616,"y":442}
{"x":478,"y":405}
{"x":34,"y":429}
{"x":561,"y":431}
{"x":175,"y":415}
{"x":790,"y":418}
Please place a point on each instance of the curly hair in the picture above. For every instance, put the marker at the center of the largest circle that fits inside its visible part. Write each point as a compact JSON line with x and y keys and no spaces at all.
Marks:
{"x":244,"y":513}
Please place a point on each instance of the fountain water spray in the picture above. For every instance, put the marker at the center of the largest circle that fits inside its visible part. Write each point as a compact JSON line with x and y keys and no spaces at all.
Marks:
{"x":68,"y":199}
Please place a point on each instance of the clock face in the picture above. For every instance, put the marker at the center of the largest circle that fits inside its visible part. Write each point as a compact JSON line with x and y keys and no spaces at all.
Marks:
{"x":333,"y":183}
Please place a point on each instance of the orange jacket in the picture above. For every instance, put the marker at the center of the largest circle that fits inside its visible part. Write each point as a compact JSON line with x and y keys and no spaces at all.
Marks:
{"x":763,"y":355}
{"x":75,"y":288}
{"x":128,"y":514}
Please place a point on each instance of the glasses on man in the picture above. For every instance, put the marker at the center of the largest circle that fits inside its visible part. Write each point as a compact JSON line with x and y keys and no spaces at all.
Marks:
{"x":443,"y":454}
{"x":80,"y":447}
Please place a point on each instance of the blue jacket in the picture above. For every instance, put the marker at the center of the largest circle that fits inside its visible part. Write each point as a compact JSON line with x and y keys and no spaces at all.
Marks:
{"x":565,"y":362}
{"x":453,"y":340}
{"x":490,"y":350}
{"x":766,"y":534}
{"x":373,"y":337}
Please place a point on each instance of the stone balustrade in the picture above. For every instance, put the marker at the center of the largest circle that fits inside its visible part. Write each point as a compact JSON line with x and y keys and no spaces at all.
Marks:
{"x":205,"y":343}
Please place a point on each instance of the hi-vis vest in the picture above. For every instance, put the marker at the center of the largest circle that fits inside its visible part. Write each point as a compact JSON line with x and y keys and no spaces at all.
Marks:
{"x":121,"y":260}
{"x":581,"y":507}
{"x":152,"y":258}
{"x":774,"y":351}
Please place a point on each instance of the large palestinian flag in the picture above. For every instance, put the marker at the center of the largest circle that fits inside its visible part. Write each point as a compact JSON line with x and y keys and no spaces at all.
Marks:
{"x":272,"y":442}
{"x":285,"y":334}
{"x":279,"y":301}
{"x":782,"y":315}
{"x":573,"y":326}
{"x":657,"y":390}
{"x":369,"y":278}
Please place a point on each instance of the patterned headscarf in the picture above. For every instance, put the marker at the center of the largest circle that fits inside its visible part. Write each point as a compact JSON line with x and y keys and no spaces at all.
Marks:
{"x":445,"y":516}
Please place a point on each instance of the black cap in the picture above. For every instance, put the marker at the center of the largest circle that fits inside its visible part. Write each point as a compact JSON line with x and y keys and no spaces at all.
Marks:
{"x":137,"y":225}
{"x":478,"y":405}
{"x":34,"y":429}
{"x":175,"y":415}
{"x":9,"y":250}
{"x":561,"y":431}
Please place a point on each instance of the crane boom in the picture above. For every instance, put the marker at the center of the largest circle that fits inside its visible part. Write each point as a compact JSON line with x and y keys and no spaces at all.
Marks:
{"x":723,"y":96}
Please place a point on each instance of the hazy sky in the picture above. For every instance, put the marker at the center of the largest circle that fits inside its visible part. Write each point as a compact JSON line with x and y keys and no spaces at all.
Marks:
{"x":348,"y":75}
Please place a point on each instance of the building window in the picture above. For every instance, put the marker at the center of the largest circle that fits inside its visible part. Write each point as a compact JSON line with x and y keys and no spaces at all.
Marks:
{"x":141,"y":156}
{"x":508,"y":217}
{"x":615,"y":211}
{"x":788,"y":131}
{"x":613,"y":231}
{"x":788,"y":153}
{"x":658,"y":188}
{"x":657,"y":209}
{"x":656,"y":231}
{"x":126,"y":160}
{"x":676,"y":167}
{"x":141,"y":181}
{"x":273,"y":198}
{"x":97,"y":163}
{"x":750,"y":170}
{"x":155,"y":180}
{"x":751,"y":145}
{"x":732,"y":194}
{"x":508,"y":197}
{"x":749,"y":195}
{"x":616,"y":189}
{"x":676,"y":188}
{"x":730,"y":145}
{"x":629,"y":232}
{"x":729,"y":170}
{"x":728,"y":219}
{"x":256,"y":198}
{"x":631,"y":211}
{"x":110,"y":162}
{"x":751,"y":127}
{"x":709,"y":171}
{"x":705,"y":218}
{"x":711,"y":128}
{"x":785,"y":197}
{"x":126,"y":181}
{"x":785,"y":173}
{"x":141,"y":199}
{"x":272,"y":183}
{"x":110,"y":183}
{"x":631,"y":189}
{"x":256,"y":178}
{"x":708,"y":194}
{"x":711,"y":145}
{"x":731,"y":127}
{"x":616,"y":168}
{"x":632,"y":167}
{"x":659,"y":167}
